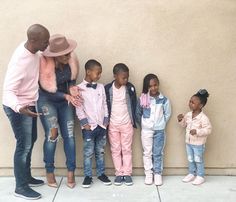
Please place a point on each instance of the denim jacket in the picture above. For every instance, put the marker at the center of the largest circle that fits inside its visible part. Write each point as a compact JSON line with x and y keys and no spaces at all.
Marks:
{"x":156,"y":116}
{"x":131,"y":99}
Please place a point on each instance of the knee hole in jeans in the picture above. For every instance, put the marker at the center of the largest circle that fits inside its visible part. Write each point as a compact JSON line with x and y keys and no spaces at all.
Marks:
{"x":100,"y":151}
{"x":53,"y":136}
{"x":197,"y":159}
{"x":190,"y":159}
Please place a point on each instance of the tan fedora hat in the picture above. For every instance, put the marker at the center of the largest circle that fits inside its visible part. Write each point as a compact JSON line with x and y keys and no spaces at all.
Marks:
{"x":59,"y":45}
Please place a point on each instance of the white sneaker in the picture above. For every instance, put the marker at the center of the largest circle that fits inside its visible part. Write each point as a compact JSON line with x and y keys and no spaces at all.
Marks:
{"x":198,"y":180}
{"x":188,"y":178}
{"x":148,"y":179}
{"x":158,"y":179}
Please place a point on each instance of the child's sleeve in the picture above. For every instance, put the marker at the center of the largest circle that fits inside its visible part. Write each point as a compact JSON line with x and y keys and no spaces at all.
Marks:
{"x":205,"y":127}
{"x":104,"y":100}
{"x":167,"y":110}
{"x":139,"y":112}
{"x":81,"y":114}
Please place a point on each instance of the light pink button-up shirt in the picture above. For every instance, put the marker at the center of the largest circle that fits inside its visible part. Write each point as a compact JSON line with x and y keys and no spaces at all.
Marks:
{"x":202,"y":125}
{"x":20,"y":87}
{"x":94,"y":110}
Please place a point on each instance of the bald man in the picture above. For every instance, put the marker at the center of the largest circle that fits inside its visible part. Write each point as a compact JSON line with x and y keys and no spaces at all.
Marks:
{"x":20,"y":93}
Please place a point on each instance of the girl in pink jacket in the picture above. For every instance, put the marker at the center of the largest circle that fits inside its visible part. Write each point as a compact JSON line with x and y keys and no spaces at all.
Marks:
{"x":198,"y":127}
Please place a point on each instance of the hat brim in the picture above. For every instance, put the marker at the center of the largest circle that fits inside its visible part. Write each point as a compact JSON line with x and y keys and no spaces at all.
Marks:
{"x":72,"y":46}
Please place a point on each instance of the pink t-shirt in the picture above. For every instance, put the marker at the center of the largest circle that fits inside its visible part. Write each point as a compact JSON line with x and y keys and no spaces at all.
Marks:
{"x":20,"y":86}
{"x":119,"y":109}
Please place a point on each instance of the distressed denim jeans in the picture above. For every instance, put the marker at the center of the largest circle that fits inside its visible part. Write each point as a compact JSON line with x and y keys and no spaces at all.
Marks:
{"x":25,"y":131}
{"x":195,"y":159}
{"x":60,"y":116}
{"x":94,"y":142}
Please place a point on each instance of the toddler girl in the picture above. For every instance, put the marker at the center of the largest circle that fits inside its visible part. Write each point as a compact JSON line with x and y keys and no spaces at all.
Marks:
{"x":198,"y":127}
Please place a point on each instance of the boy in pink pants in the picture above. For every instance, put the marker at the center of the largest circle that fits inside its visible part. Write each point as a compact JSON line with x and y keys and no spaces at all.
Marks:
{"x":121,"y":102}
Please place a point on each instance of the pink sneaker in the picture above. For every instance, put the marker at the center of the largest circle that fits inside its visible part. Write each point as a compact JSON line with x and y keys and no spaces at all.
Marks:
{"x":188,"y":178}
{"x":158,"y":180}
{"x":198,"y":180}
{"x":148,"y":179}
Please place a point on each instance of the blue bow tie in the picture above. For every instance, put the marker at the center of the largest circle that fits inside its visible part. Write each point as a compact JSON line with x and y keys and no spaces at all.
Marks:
{"x":90,"y":85}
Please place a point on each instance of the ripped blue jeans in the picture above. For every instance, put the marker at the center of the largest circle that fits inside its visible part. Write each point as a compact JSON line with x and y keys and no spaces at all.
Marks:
{"x":94,"y":142}
{"x":57,"y":116}
{"x":195,"y":159}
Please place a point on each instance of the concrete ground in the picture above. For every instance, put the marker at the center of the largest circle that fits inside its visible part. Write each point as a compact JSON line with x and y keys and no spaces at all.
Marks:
{"x":216,"y":188}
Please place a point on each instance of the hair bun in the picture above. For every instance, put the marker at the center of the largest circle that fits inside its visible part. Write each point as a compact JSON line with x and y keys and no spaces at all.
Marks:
{"x":203,"y":92}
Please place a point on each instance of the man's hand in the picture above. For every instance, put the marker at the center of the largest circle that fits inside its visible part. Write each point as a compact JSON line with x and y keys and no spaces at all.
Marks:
{"x":26,"y":111}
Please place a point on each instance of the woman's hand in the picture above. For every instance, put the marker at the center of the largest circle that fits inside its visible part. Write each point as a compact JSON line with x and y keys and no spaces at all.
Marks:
{"x":75,"y":101}
{"x":75,"y":91}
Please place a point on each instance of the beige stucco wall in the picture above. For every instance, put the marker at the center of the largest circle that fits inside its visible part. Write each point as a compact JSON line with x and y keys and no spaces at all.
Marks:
{"x":188,"y":44}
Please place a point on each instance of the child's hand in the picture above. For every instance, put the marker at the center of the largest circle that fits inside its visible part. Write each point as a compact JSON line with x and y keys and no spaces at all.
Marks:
{"x":180,"y":117}
{"x":193,"y":132}
{"x":87,"y":127}
{"x":105,"y":124}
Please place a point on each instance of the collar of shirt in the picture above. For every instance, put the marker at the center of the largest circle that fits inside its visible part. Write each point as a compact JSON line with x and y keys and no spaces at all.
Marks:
{"x":160,"y":96}
{"x":198,"y":117}
{"x":86,"y":82}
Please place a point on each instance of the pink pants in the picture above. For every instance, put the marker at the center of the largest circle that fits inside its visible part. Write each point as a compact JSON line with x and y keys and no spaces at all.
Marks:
{"x":120,"y":138}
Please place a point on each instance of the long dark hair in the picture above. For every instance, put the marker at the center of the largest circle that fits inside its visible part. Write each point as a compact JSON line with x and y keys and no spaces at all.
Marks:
{"x":146,"y":82}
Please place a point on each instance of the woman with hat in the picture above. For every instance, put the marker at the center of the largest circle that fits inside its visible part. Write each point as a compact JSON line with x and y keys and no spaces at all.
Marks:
{"x":57,"y":97}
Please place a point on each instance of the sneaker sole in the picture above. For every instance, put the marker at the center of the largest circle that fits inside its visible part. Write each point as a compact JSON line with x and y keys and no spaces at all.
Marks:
{"x":198,"y":183}
{"x":27,"y":198}
{"x":187,"y":181}
{"x":107,"y":183}
{"x":129,"y":183}
{"x":35,"y":185}
{"x":118,"y":183}
{"x":86,"y":186}
{"x":147,"y":183}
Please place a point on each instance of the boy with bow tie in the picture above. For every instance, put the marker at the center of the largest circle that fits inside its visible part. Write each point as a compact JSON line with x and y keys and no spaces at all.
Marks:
{"x":93,"y":116}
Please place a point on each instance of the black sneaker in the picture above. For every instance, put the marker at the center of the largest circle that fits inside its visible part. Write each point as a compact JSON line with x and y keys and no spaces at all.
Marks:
{"x":118,"y":180}
{"x":87,"y":182}
{"x":27,"y":193}
{"x":128,"y":180}
{"x":104,"y":179}
{"x":35,"y":182}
